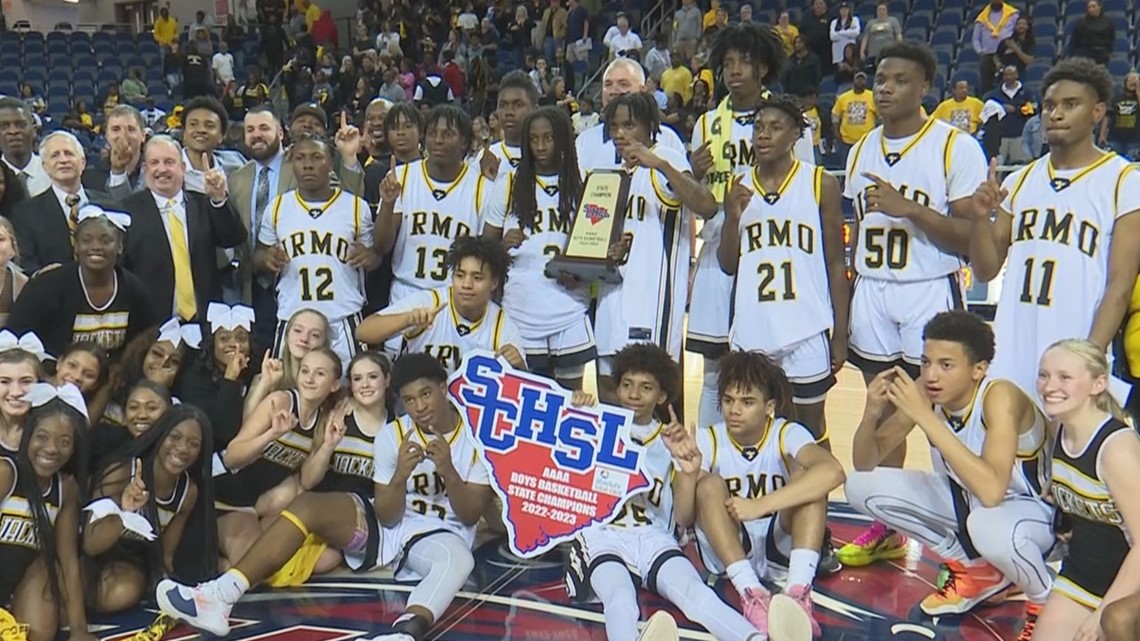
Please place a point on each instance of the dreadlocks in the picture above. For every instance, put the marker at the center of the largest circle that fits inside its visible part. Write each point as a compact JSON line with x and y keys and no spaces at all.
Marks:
{"x":642,"y":108}
{"x":523,"y":203}
{"x":758,"y":42}
{"x":753,"y":370}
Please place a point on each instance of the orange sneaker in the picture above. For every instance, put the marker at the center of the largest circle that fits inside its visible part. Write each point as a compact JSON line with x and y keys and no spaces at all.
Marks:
{"x":1031,"y":612}
{"x":964,"y":587}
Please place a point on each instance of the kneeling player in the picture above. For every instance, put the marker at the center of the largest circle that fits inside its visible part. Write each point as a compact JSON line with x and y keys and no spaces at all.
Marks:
{"x":763,"y":504}
{"x":981,"y":510}
{"x":430,"y":490}
{"x":639,"y":541}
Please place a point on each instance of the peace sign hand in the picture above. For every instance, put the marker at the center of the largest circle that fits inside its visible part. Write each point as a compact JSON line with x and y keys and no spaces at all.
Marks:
{"x":390,"y":187}
{"x":134,"y":495}
{"x":989,"y":195}
{"x":335,"y":427}
{"x":216,"y":187}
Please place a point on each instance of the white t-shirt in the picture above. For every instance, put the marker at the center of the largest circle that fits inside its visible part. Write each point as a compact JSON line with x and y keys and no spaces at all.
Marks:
{"x":224,"y":66}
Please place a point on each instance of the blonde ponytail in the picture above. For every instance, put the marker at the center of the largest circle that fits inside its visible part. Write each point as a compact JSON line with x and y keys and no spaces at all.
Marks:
{"x":1096,"y":363}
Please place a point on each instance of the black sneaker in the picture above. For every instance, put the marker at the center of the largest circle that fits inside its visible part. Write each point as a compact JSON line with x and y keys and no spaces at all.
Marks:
{"x":828,"y":562}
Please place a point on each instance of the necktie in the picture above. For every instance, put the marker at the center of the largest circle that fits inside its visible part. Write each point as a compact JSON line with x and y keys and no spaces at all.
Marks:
{"x":261,"y":201}
{"x":23,"y":176}
{"x":72,"y":202}
{"x":184,"y":300}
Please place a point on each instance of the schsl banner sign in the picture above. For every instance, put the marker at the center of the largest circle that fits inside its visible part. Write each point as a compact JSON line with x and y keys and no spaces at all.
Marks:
{"x":556,"y":468}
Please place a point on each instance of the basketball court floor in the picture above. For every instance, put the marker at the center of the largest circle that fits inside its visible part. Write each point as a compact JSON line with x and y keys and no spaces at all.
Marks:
{"x":512,"y":600}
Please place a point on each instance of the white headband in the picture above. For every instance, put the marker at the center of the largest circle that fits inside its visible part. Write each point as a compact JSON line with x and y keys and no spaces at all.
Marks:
{"x":120,"y":220}
{"x":222,"y":316}
{"x":175,"y":333}
{"x":40,"y":394}
{"x":29,"y":343}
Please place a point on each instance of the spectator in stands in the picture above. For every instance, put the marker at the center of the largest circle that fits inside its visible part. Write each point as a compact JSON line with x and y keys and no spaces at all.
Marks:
{"x":657,"y":60}
{"x":815,"y":26}
{"x":821,"y":132}
{"x":79,"y":119}
{"x":391,"y":88}
{"x":586,"y":116}
{"x":804,"y":71}
{"x":709,"y":19}
{"x":1018,"y":49}
{"x":994,"y":24}
{"x":577,"y":38}
{"x":196,"y":73}
{"x":223,"y":64}
{"x":152,"y":115}
{"x":490,"y":34}
{"x":844,"y":30}
{"x":453,"y":76}
{"x":324,"y":30}
{"x":518,"y":32}
{"x":467,"y":20}
{"x":621,"y":40}
{"x":1123,"y":134}
{"x":33,"y":100}
{"x":165,"y":28}
{"x":880,"y":31}
{"x":687,"y":29}
{"x":113,"y":98}
{"x":788,"y":32}
{"x":172,"y":66}
{"x":702,"y":99}
{"x":745,"y":13}
{"x":202,"y":22}
{"x":205,"y":123}
{"x":432,"y":90}
{"x":961,"y":109}
{"x":45,"y":223}
{"x":273,"y":43}
{"x":1019,"y":105}
{"x":853,"y":115}
{"x":119,"y":173}
{"x":1094,"y":35}
{"x":677,"y":79}
{"x":133,"y":88}
{"x":17,"y":144}
{"x":552,"y":28}
{"x":848,"y":66}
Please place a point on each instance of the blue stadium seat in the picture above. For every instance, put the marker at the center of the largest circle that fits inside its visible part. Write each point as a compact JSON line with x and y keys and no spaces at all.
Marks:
{"x":34,"y":36}
{"x":949,"y":19}
{"x":944,"y":38}
{"x":156,"y":88}
{"x":35,"y":59}
{"x":1046,"y":51}
{"x":827,"y":86}
{"x":152,"y":74}
{"x":1044,"y":15}
{"x":1074,"y":9}
{"x":36,"y":75}
{"x":944,"y":57}
{"x":57,"y":47}
{"x":101,"y":36}
{"x":916,"y":35}
{"x":1121,"y":24}
{"x":11,"y":62}
{"x":917,"y":21}
{"x":1116,"y":5}
{"x":106,"y":77}
{"x":1045,"y":30}
{"x":967,"y":56}
{"x":61,"y":106}
{"x":1035,"y":72}
{"x":970,"y":75}
{"x":55,"y":36}
{"x":1118,"y":68}
{"x":79,"y":36}
{"x":59,"y":74}
{"x":923,"y":5}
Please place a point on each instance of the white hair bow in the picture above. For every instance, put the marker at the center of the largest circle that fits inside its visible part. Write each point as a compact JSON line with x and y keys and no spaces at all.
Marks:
{"x":29,"y":342}
{"x":175,"y":333}
{"x":42,"y":393}
{"x":118,"y":219}
{"x":222,"y":316}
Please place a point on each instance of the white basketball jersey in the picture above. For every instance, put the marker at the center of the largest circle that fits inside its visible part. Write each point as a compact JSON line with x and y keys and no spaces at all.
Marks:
{"x":560,"y":308}
{"x":782,"y":273}
{"x":317,"y":238}
{"x":451,"y":336}
{"x":934,"y":167}
{"x":509,"y":157}
{"x":1057,"y":267}
{"x":432,"y":216}
{"x":753,"y":471}
{"x":426,"y":493}
{"x":597,"y":151}
{"x":650,"y":302}
{"x":1030,"y":470}
{"x":654,"y":506}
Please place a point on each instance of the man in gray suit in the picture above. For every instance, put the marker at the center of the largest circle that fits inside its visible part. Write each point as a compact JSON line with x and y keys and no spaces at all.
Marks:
{"x":120,"y":174}
{"x":253,"y":188}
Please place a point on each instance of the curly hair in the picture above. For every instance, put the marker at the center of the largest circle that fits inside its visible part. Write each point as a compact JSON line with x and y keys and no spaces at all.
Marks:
{"x":490,"y":253}
{"x":967,"y":329}
{"x":651,"y":359}
{"x":752,"y":370}
{"x":759,"y":42}
{"x":1084,"y":71}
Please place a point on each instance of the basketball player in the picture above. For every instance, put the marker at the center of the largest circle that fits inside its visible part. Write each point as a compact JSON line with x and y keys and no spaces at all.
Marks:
{"x":912,"y":180}
{"x":318,"y":241}
{"x":638,"y":544}
{"x":981,"y":509}
{"x":517,"y":98}
{"x":435,"y":201}
{"x":748,"y":56}
{"x":531,"y":212}
{"x":649,"y":303}
{"x":594,"y":146}
{"x":470,"y":320}
{"x":430,"y":490}
{"x":1063,"y":229}
{"x":783,"y":241}
{"x":754,"y":516}
{"x":1094,"y":486}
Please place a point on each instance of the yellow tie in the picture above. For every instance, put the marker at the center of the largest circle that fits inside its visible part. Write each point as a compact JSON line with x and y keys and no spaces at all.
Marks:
{"x":183,"y":278}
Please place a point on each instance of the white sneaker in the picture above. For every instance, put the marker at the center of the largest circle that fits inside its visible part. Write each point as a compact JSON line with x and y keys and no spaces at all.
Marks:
{"x":200,"y":606}
{"x":787,"y":621}
{"x":659,"y":627}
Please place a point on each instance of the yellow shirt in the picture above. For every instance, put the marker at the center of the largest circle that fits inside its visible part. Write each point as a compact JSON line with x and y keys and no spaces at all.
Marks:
{"x":965,"y":115}
{"x":856,"y":114}
{"x":812,"y":116}
{"x":312,"y":14}
{"x":86,"y":120}
{"x":166,"y":31}
{"x":788,"y":35}
{"x":678,"y":80}
{"x":709,"y":18}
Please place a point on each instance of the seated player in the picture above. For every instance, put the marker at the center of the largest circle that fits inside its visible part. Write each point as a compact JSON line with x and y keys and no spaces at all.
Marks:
{"x":478,"y":268}
{"x":430,"y":490}
{"x":1096,"y":489}
{"x":638,"y":545}
{"x":981,"y":508}
{"x":762,"y":501}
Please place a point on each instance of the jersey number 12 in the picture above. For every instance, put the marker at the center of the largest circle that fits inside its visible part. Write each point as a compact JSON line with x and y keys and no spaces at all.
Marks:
{"x":323,"y":280}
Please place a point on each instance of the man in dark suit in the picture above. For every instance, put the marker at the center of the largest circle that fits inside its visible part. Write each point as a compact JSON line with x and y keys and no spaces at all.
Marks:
{"x":44,"y":224}
{"x":175,"y":234}
{"x":120,"y":174}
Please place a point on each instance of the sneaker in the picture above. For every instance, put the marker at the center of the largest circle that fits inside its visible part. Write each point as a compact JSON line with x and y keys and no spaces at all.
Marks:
{"x":876,"y":543}
{"x":1032,"y":610}
{"x":801,"y":594}
{"x":660,"y":627}
{"x":828,"y":561}
{"x":754,"y":607}
{"x":156,"y":630}
{"x":964,"y":588}
{"x":787,"y":620}
{"x":200,"y":606}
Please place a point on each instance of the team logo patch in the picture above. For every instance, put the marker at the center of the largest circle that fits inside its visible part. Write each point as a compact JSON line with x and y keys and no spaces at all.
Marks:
{"x":462,"y":330}
{"x":772,"y":197}
{"x":1059,"y":184}
{"x":596,"y":213}
{"x":316,"y":212}
{"x":893,"y":158}
{"x":514,"y":162}
{"x":750,"y":453}
{"x":551,"y":190}
{"x":557,"y":468}
{"x":438,"y":194}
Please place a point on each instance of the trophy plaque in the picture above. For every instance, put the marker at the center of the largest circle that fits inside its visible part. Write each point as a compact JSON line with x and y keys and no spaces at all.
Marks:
{"x":601,"y":216}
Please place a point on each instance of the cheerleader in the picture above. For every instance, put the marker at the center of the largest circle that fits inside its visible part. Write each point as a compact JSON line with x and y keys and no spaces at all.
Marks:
{"x":21,"y":366}
{"x":216,"y":382}
{"x":13,"y":278}
{"x":306,"y":330}
{"x":156,"y":356}
{"x":84,"y":365}
{"x":146,"y":403}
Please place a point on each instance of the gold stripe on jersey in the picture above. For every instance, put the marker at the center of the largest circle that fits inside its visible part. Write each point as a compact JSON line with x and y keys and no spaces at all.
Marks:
{"x":512,"y":160}
{"x":552,"y":189}
{"x":652,"y":437}
{"x":496,"y":335}
{"x":461,"y":323}
{"x":665,"y":198}
{"x":956,"y":423}
{"x":782,"y":445}
{"x":1120,"y":181}
{"x":712,"y":436}
{"x":1058,"y":183}
{"x":315,"y":210}
{"x":277,"y":202}
{"x":1021,"y":180}
{"x":893,"y":157}
{"x":356,"y":216}
{"x":755,"y":449}
{"x":1075,"y":592}
{"x":817,"y":186}
{"x":450,"y":439}
{"x":857,"y":152}
{"x":1081,"y":484}
{"x":772,"y":197}
{"x":947,"y":151}
{"x":439,"y":193}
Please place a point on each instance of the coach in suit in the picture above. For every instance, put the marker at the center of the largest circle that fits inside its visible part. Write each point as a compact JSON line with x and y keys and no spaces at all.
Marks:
{"x":44,"y":224}
{"x":174,"y":234}
{"x":120,"y":173}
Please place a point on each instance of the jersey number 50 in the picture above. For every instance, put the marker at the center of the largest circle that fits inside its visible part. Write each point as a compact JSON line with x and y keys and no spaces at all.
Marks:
{"x":893,"y":252}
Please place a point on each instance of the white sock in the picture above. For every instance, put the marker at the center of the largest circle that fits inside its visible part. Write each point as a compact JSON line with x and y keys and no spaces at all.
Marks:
{"x":232,"y":586}
{"x":743,"y":577}
{"x":951,"y":548}
{"x":801,"y":567}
